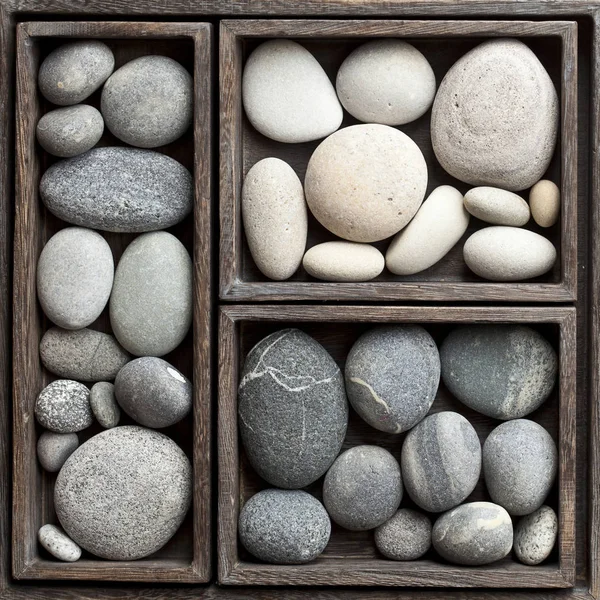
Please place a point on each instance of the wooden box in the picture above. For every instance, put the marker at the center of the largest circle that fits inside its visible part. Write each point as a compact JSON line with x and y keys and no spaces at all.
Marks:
{"x":351,"y":557}
{"x":187,"y":557}
{"x":442,"y":42}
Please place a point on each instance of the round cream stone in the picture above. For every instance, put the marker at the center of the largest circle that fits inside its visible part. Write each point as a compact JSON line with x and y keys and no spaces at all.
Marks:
{"x":544,"y":201}
{"x":497,"y":206}
{"x":343,"y":261}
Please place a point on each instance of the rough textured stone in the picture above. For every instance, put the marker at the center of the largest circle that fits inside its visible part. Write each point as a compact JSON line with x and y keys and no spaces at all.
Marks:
{"x":53,"y":449}
{"x":151,"y":303}
{"x":477,"y":533}
{"x":392,"y":375}
{"x":502,"y":371}
{"x":544,"y":201}
{"x":441,"y":461}
{"x":124,"y":493}
{"x":363,"y":488}
{"x":118,"y":189}
{"x":284,"y":526}
{"x":75,"y":277}
{"x":60,"y":545}
{"x":287,"y":96}
{"x":406,"y":536}
{"x":520,"y":461}
{"x":149,"y":101}
{"x":63,"y":406}
{"x":153,"y":393}
{"x":292,"y":408}
{"x":74,"y":71}
{"x":104,"y":405}
{"x":275,"y":217}
{"x":535,"y":536}
{"x":497,"y":206}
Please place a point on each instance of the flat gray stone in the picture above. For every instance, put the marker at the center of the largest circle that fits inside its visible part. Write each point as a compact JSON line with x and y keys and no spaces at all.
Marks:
{"x":124,"y":493}
{"x":406,"y":536}
{"x":149,"y":101}
{"x":63,"y":406}
{"x":53,"y":449}
{"x":61,"y":546}
{"x":292,"y":409}
{"x":118,"y":189}
{"x":535,"y":536}
{"x":151,"y":303}
{"x":363,"y":488}
{"x":285,"y":527}
{"x":104,"y":405}
{"x":392,"y":375}
{"x":502,"y":371}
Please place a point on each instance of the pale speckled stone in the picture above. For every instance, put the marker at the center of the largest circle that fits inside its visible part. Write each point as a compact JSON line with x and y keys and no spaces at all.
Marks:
{"x":544,"y":201}
{"x":63,"y":406}
{"x":53,"y":449}
{"x":497,"y":206}
{"x":104,"y":405}
{"x":406,"y":536}
{"x":535,"y":536}
{"x":58,"y":543}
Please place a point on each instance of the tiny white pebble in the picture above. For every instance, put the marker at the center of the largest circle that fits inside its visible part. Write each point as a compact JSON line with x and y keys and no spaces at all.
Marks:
{"x":58,"y":543}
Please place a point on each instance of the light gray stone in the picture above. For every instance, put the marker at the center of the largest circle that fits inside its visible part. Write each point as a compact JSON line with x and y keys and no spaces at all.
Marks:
{"x":497,"y":206}
{"x":535,"y":536}
{"x":53,"y":449}
{"x":104,"y":405}
{"x":406,"y":536}
{"x":63,"y":406}
{"x":544,"y":201}
{"x":61,"y":546}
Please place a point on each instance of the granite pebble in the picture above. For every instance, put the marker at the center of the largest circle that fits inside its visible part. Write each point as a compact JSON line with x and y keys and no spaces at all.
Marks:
{"x":497,"y":206}
{"x":406,"y":536}
{"x":63,"y":406}
{"x":104,"y":405}
{"x":53,"y":449}
{"x":535,"y":536}
{"x":544,"y":201}
{"x":61,"y":546}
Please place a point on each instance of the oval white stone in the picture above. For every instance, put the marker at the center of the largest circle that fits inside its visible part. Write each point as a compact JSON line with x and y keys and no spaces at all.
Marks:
{"x":497,"y":206}
{"x":544,"y":201}
{"x":58,"y":543}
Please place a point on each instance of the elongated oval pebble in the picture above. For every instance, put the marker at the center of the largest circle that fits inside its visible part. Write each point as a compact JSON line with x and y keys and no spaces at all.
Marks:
{"x":104,"y":405}
{"x":497,"y":206}
{"x":535,"y":536}
{"x":58,"y":543}
{"x":343,"y":261}
{"x":544,"y":201}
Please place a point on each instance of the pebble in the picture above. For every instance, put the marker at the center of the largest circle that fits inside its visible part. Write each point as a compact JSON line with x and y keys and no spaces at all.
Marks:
{"x":74,"y":71}
{"x":53,"y":449}
{"x":63,"y":406}
{"x":477,"y":533}
{"x":497,"y":206}
{"x":535,"y":536}
{"x":70,"y":131}
{"x":124,"y":493}
{"x":441,"y":461}
{"x":406,"y":536}
{"x":284,"y":527}
{"x":292,"y":408}
{"x":104,"y":405}
{"x":544,"y":201}
{"x":84,"y":355}
{"x":392,"y":375}
{"x":365,"y":182}
{"x":502,"y":371}
{"x":286,"y":94}
{"x":75,"y":277}
{"x":275,"y":218}
{"x":363,"y":488}
{"x":520,"y":461}
{"x":60,"y":545}
{"x":495,"y":117}
{"x":386,"y":81}
{"x":343,"y":261}
{"x":153,"y":393}
{"x":118,"y":189}
{"x":149,"y":101}
{"x":436,"y":228}
{"x":508,"y":254}
{"x":151,"y":303}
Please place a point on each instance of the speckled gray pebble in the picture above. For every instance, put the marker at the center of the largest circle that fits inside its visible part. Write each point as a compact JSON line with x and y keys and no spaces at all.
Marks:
{"x":293,"y":411}
{"x":363,"y":488}
{"x":73,"y":71}
{"x":58,"y":543}
{"x":153,"y":392}
{"x":148,"y":102}
{"x":392,"y":375}
{"x":441,"y":461}
{"x":53,"y":449}
{"x":124,"y":493}
{"x":502,"y":371}
{"x":535,"y":536}
{"x":406,"y":536}
{"x":284,"y":526}
{"x":104,"y":405}
{"x":118,"y":189}
{"x":520,"y":461}
{"x":63,"y":406}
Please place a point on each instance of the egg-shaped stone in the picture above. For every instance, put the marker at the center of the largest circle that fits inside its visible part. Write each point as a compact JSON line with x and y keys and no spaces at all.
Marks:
{"x":406,"y":536}
{"x":63,"y":406}
{"x":56,"y":542}
{"x":535,"y":536}
{"x":104,"y":404}
{"x":53,"y":449}
{"x":497,"y":206}
{"x":544,"y":201}
{"x":343,"y":261}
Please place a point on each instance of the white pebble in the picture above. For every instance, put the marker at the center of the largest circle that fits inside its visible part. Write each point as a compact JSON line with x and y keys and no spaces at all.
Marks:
{"x":343,"y":261}
{"x":544,"y":201}
{"x":58,"y":543}
{"x":497,"y":206}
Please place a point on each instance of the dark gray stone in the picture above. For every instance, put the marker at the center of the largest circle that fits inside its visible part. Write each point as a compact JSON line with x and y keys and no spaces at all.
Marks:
{"x":118,"y":189}
{"x":148,"y":102}
{"x":406,"y":536}
{"x":63,"y":406}
{"x":293,"y":411}
{"x":124,"y":493}
{"x":520,"y":461}
{"x":363,"y":488}
{"x":153,"y":393}
{"x":477,"y":533}
{"x":104,"y":405}
{"x":535,"y":536}
{"x":502,"y":371}
{"x":53,"y":449}
{"x":284,"y":527}
{"x":392,"y":376}
{"x":61,"y":546}
{"x":74,"y":71}
{"x":441,"y":461}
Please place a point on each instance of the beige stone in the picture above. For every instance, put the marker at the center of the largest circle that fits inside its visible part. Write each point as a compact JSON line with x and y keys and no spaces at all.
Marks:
{"x":496,"y":206}
{"x":343,"y":261}
{"x":544,"y":201}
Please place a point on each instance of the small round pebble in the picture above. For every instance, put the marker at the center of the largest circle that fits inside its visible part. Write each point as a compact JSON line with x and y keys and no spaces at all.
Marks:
{"x":284,"y":527}
{"x":363,"y":488}
{"x":58,"y":543}
{"x":63,"y":406}
{"x":104,"y":405}
{"x":343,"y":261}
{"x":406,"y":536}
{"x":70,"y":131}
{"x":544,"y":201}
{"x":497,"y":206}
{"x":53,"y":449}
{"x":535,"y":536}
